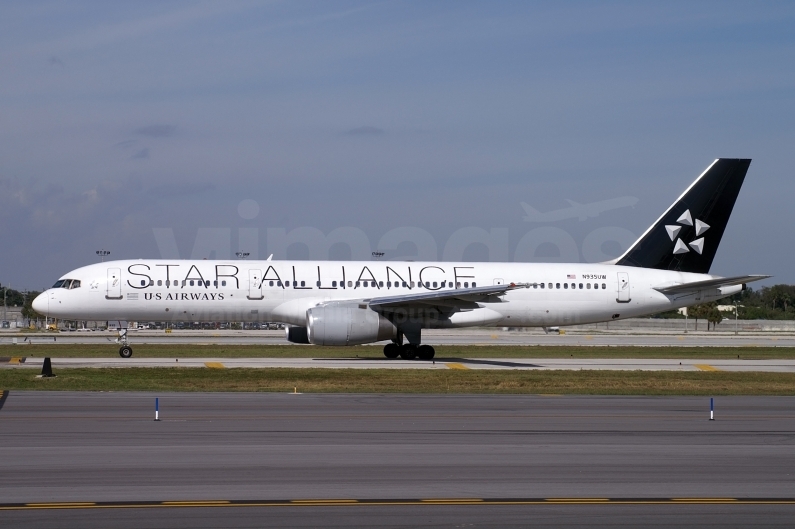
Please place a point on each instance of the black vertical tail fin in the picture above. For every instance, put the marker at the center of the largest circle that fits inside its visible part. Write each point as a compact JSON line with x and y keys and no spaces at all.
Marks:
{"x":686,"y":237}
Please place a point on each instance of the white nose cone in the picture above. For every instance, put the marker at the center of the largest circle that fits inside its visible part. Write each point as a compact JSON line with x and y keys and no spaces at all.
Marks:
{"x":41,"y":304}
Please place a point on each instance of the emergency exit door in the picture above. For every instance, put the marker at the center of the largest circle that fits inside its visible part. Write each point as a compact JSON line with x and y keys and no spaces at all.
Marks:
{"x":113,"y":290}
{"x":623,"y":295}
{"x":255,"y":284}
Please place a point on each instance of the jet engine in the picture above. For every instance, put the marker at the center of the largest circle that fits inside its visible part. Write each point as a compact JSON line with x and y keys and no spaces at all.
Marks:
{"x":347,"y":325}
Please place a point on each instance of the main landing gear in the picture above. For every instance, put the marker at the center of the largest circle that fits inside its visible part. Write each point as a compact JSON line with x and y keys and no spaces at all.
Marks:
{"x":409,"y":351}
{"x":125,"y":351}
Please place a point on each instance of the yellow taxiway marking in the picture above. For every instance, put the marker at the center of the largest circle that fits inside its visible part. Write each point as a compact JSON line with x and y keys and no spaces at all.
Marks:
{"x":588,"y":337}
{"x":495,"y":337}
{"x":706,"y":367}
{"x":15,"y":360}
{"x":457,"y":366}
{"x":214,"y":365}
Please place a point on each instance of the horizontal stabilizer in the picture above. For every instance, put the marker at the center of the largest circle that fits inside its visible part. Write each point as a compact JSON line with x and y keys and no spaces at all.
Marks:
{"x":708,"y":284}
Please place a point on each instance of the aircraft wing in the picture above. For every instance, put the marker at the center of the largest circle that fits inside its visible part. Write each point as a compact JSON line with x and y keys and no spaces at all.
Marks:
{"x":453,"y":298}
{"x":683,"y":288}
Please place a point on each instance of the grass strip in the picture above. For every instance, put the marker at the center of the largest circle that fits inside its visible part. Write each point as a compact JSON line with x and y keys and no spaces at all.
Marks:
{"x":405,"y":381}
{"x":451,"y":352}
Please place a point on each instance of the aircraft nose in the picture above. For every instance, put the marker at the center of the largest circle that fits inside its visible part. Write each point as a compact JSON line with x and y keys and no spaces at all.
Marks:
{"x":41,"y":304}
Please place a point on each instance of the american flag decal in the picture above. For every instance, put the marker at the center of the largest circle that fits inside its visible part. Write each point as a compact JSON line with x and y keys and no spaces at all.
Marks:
{"x":571,"y":276}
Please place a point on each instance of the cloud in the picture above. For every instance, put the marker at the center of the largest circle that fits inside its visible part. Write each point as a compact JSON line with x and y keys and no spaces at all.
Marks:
{"x":126,"y":143}
{"x":365,"y":131}
{"x":55,"y":61}
{"x":157,"y":131}
{"x":141,"y":155}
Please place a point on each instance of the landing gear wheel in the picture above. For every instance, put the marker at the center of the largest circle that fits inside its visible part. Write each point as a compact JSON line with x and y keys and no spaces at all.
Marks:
{"x":425,"y":352}
{"x":408,"y":352}
{"x":391,"y":350}
{"x":125,"y":351}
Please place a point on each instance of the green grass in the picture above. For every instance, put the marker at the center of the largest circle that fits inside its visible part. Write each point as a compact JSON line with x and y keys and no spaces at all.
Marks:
{"x":108,"y":350}
{"x":405,"y":381}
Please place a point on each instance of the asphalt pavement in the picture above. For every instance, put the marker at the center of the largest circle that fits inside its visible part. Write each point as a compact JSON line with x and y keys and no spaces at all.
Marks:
{"x":619,"y":364}
{"x":277,"y":460}
{"x":496,"y":336}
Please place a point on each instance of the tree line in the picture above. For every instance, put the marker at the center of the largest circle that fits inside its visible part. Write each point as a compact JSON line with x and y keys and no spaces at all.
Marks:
{"x":16,"y":298}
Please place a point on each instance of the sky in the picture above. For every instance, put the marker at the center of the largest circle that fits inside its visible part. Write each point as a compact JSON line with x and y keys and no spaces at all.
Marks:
{"x":416,"y":129}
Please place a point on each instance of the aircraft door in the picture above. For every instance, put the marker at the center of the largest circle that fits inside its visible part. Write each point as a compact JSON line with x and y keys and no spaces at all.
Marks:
{"x":622,"y":296}
{"x":255,"y":284}
{"x":113,"y":290}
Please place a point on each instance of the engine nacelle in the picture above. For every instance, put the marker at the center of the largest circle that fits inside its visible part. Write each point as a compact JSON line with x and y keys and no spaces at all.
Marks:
{"x":347,"y":325}
{"x":296,"y":334}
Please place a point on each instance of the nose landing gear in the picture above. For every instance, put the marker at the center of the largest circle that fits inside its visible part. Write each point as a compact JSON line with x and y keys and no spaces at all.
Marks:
{"x":125,"y":351}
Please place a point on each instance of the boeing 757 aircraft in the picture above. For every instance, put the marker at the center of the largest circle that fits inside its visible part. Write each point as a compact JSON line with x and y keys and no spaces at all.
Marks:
{"x":350,"y":303}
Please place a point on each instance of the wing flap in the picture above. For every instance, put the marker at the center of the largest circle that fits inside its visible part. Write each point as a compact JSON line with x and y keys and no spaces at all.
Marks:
{"x":457,"y":298}
{"x":708,"y":283}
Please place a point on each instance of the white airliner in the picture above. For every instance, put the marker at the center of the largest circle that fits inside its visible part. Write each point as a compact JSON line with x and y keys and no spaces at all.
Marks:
{"x":349,"y":303}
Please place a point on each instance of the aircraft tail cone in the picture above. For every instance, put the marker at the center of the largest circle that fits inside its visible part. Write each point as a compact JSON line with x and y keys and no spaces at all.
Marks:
{"x":46,"y":369}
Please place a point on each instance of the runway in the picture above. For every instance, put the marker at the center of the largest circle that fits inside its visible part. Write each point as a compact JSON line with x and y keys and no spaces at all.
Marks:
{"x":394,"y":460}
{"x":495,"y":336}
{"x":634,"y":364}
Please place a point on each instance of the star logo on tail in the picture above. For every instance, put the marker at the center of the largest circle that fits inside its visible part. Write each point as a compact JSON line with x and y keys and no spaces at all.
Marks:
{"x":685,"y":219}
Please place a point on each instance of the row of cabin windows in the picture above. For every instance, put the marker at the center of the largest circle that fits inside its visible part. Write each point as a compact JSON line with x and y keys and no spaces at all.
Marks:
{"x":191,"y":282}
{"x":573,"y":285}
{"x":68,"y":284}
{"x":389,"y":284}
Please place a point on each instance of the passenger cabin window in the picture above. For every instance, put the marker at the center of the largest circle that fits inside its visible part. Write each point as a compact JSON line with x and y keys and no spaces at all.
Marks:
{"x":565,"y":285}
{"x":159,"y":282}
{"x":223,"y":283}
{"x":191,"y":282}
{"x":580,"y":285}
{"x":317,"y":284}
{"x":604,"y":286}
{"x":474,"y":284}
{"x":350,"y":283}
{"x":333,"y":283}
{"x":588,"y":285}
{"x":381,"y":284}
{"x":557,"y":285}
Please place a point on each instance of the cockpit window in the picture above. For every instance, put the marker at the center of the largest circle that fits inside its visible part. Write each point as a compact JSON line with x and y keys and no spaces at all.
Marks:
{"x":68,"y":284}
